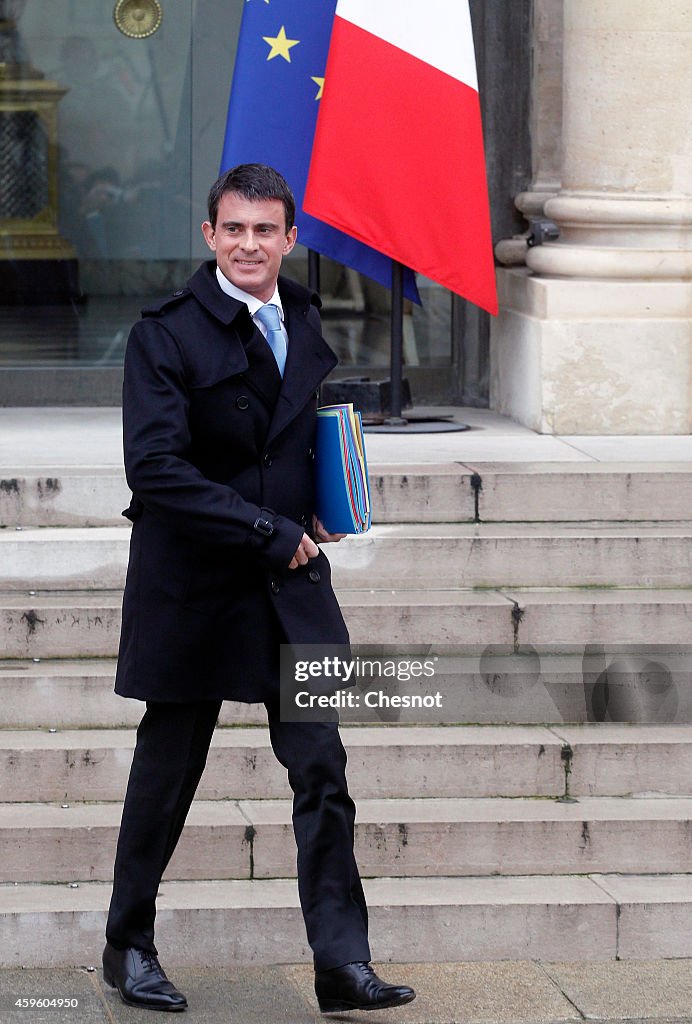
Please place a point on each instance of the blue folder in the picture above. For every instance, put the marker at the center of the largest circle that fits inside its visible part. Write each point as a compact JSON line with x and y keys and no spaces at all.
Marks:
{"x":342,"y":491}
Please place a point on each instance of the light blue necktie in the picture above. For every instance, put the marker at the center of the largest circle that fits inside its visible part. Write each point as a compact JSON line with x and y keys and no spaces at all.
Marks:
{"x":269,"y":316}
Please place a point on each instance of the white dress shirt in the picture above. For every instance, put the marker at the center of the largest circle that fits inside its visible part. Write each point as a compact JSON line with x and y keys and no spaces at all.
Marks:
{"x":253,"y":303}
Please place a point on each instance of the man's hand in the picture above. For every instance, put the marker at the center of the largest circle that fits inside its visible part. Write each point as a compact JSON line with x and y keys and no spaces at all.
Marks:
{"x":306,"y":550}
{"x":322,"y":536}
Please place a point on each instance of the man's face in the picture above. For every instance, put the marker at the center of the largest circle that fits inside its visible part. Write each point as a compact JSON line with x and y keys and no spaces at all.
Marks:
{"x":250,"y":240}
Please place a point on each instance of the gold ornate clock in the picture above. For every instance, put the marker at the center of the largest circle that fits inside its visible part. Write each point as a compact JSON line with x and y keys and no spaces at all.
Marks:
{"x":138,"y":18}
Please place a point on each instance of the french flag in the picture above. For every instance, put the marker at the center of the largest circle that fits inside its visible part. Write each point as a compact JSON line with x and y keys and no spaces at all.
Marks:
{"x":397,"y":160}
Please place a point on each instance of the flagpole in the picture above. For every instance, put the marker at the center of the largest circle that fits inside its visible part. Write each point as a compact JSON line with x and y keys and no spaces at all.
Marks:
{"x":396,"y":364}
{"x":313,"y":270}
{"x":395,"y":423}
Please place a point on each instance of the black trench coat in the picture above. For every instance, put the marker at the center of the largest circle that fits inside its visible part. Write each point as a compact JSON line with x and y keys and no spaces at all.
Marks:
{"x":219,"y":457}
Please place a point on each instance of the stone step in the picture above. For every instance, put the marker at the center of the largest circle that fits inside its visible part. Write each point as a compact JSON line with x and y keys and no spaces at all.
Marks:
{"x":50,"y":558}
{"x":398,"y":838}
{"x":531,"y":492}
{"x":505,"y":555}
{"x":444,"y":492}
{"x":419,"y":556}
{"x":572,"y":492}
{"x":493,"y":836}
{"x":643,"y":615}
{"x":383,"y":762}
{"x":531,"y":687}
{"x":78,"y":694}
{"x":74,"y":624}
{"x":64,"y":496}
{"x":611,"y":759}
{"x":86,"y":624}
{"x":93,"y":764}
{"x":212,"y":924}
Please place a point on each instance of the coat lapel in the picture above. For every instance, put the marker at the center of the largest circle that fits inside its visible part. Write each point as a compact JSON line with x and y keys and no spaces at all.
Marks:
{"x":247,"y":352}
{"x":262,"y":373}
{"x":309,"y":358}
{"x":232,"y":358}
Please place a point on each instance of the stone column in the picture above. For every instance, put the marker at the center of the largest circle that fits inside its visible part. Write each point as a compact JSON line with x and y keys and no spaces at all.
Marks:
{"x":545,"y":125}
{"x":598,"y":339}
{"x":546,"y":107}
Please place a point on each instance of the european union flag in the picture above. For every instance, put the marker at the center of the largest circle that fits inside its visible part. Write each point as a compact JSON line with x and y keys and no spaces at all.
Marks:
{"x":272,"y":112}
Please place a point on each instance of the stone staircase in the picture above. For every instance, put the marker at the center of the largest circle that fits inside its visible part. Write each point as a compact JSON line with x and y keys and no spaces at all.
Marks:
{"x":519,"y":829}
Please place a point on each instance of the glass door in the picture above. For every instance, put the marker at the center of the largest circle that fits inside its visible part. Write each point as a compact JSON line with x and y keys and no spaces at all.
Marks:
{"x":112,"y":119}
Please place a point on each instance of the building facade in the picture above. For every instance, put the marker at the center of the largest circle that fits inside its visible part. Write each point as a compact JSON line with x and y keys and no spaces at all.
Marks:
{"x":112,"y":118}
{"x":595,"y":330}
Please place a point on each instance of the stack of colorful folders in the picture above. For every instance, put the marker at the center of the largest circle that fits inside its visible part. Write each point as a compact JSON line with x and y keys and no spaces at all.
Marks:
{"x":342,"y":492}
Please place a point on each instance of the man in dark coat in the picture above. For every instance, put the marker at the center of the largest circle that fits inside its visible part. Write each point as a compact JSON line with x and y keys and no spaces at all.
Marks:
{"x":219,"y":415}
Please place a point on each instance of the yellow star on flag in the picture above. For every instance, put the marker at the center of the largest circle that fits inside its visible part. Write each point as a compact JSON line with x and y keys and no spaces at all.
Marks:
{"x":280,"y":45}
{"x":320,"y":83}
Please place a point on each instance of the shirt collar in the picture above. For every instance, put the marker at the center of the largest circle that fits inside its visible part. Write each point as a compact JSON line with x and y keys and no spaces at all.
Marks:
{"x":251,"y":301}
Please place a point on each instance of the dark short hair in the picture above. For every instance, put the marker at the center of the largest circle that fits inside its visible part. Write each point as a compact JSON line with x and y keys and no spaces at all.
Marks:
{"x":253,"y":181}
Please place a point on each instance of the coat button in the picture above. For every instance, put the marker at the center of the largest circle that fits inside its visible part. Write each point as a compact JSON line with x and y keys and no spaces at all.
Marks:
{"x":303,"y":520}
{"x":267,"y":460}
{"x":242,"y":402}
{"x":275,"y":587}
{"x":314,"y":576}
{"x":311,"y":453}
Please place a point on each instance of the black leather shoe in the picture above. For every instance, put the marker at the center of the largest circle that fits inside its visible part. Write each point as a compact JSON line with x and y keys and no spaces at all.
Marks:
{"x":356,"y":987}
{"x":140,"y":979}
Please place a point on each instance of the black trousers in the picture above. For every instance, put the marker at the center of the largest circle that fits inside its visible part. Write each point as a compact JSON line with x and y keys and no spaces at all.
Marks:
{"x":170,"y":755}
